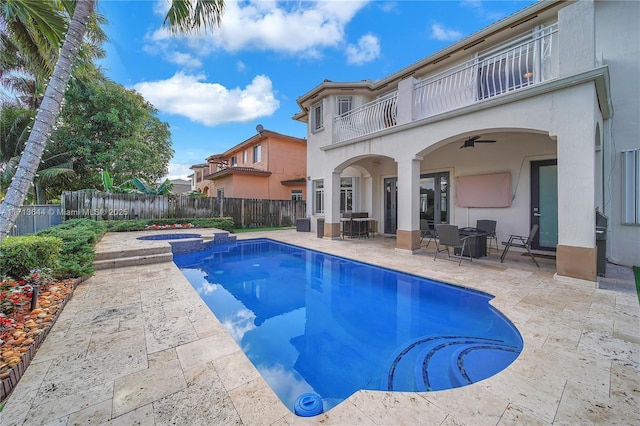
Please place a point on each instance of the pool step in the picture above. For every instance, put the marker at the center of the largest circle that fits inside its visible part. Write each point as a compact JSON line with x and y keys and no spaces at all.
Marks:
{"x":132,"y":257}
{"x":133,"y":252}
{"x":437,"y":363}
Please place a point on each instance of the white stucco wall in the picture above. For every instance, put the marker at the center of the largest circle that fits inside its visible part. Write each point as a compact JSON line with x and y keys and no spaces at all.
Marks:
{"x":620,"y":50}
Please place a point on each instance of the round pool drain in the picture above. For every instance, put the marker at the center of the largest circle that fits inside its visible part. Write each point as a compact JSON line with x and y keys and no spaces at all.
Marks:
{"x":308,"y":404}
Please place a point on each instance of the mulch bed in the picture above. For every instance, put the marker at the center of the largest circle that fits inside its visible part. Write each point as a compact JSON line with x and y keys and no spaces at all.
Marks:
{"x":20,"y":344}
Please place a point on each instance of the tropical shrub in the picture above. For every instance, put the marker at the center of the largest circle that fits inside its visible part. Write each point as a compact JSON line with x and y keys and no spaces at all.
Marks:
{"x":79,"y":237}
{"x":20,"y":255}
{"x":223,"y":223}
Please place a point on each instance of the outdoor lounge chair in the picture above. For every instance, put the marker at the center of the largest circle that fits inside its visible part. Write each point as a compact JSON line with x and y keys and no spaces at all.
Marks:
{"x":521,"y":242}
{"x":449,"y":236}
{"x":488,"y":226}
{"x":426,"y":231}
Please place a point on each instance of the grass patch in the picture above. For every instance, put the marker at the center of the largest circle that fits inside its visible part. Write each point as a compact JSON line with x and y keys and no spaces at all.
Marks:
{"x":277,"y":228}
{"x":636,"y":274}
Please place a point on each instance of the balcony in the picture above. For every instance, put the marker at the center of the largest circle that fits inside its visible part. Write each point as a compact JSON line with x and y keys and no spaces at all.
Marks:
{"x":522,"y":63}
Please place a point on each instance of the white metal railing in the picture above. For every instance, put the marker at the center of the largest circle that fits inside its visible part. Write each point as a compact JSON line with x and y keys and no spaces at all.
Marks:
{"x":520,"y":63}
{"x":527,"y":61}
{"x":366,"y":119}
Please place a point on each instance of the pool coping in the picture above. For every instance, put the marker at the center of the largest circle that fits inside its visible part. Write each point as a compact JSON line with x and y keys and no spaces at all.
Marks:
{"x":579,"y":363}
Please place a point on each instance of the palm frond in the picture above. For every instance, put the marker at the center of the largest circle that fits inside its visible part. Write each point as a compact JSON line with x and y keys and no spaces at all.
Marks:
{"x":186,"y":17}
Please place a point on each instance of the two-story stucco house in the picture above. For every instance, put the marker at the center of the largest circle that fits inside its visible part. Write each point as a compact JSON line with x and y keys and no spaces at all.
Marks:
{"x":532,"y":120}
{"x":268,"y":165}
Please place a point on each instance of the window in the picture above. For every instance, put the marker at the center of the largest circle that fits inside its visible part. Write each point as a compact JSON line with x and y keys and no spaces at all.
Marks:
{"x":317,"y":119}
{"x":631,"y":187}
{"x":234,"y":161}
{"x":344,"y":104}
{"x":244,"y":157}
{"x":346,"y":194}
{"x":318,"y":196}
{"x":296,"y":194}
{"x":257,"y":153}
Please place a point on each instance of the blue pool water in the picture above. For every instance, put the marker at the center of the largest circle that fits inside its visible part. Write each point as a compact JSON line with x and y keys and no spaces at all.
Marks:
{"x":316,"y":323}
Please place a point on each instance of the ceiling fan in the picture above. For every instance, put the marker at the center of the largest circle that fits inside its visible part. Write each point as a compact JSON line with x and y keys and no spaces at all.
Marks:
{"x":472,"y":140}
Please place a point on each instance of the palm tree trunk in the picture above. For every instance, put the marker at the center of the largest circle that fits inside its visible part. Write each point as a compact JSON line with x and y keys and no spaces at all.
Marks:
{"x":45,"y":118}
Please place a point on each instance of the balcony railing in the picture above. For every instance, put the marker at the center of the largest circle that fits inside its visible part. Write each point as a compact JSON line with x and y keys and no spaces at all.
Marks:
{"x":366,"y":119}
{"x":524,"y":62}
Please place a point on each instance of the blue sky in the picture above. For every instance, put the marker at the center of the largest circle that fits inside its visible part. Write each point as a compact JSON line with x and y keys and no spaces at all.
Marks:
{"x":214,"y":88}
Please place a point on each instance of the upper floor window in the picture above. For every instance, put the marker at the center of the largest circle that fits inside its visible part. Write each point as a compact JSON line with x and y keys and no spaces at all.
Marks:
{"x":631,"y":187}
{"x":234,"y":161}
{"x":296,"y":194}
{"x":244,"y":157}
{"x":317,"y":117}
{"x":257,"y":153}
{"x":345,"y":104}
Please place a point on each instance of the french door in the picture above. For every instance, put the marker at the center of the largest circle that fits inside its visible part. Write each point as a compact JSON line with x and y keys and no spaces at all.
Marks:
{"x":434,"y":200}
{"x":434,"y":197}
{"x":544,"y":203}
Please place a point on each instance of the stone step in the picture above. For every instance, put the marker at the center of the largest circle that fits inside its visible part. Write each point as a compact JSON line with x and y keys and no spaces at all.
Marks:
{"x":133,"y":252}
{"x":121,"y":262}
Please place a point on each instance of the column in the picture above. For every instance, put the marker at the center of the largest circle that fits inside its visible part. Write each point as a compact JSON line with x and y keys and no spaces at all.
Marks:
{"x":332,"y":205}
{"x":408,"y":232}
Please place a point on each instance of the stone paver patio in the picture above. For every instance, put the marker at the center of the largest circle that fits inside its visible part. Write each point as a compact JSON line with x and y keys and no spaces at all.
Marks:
{"x":136,"y":345}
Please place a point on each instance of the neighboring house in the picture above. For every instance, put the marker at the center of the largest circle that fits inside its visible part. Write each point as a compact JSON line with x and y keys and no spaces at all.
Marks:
{"x":269,"y":166}
{"x":181,"y":186}
{"x":555,"y":86}
{"x":197,"y":178}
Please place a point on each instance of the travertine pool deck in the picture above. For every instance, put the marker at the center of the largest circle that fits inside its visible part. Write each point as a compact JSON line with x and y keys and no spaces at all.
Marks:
{"x":137,"y":345}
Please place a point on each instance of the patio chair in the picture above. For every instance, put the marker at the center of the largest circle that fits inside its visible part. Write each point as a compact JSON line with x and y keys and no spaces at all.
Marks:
{"x":521,"y":242}
{"x":449,"y":236}
{"x":488,"y":226}
{"x":426,"y":231}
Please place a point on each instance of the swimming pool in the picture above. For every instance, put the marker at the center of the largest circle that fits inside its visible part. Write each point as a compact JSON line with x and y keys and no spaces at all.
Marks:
{"x":315,"y":323}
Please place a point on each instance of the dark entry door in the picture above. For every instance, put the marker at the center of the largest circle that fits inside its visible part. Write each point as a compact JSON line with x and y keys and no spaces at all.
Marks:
{"x":390,"y":205}
{"x":544,"y":203}
{"x":434,"y":197}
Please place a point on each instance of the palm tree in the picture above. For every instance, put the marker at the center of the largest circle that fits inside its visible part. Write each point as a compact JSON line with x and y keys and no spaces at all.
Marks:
{"x":184,"y":16}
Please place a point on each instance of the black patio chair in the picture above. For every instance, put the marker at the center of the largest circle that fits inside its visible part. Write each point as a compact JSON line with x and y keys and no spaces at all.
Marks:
{"x":521,"y":242}
{"x":488,"y":226}
{"x":426,"y":231}
{"x":449,"y":236}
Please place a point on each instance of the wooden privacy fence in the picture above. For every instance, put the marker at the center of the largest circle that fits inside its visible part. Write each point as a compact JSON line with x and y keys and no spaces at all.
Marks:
{"x":34,"y":218}
{"x":246,"y":213}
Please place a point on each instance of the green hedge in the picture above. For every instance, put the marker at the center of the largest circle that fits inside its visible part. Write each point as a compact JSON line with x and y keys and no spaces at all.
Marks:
{"x":20,"y":255}
{"x":79,"y":237}
{"x":223,"y":223}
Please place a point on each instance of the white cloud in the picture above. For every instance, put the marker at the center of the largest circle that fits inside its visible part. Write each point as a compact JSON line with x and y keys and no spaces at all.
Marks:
{"x":441,"y":33}
{"x":241,"y":66}
{"x":389,"y":6}
{"x":478,"y":6}
{"x":367,"y":50}
{"x":178,"y":171}
{"x":184,"y":59}
{"x":210,"y":103}
{"x":301,"y":28}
